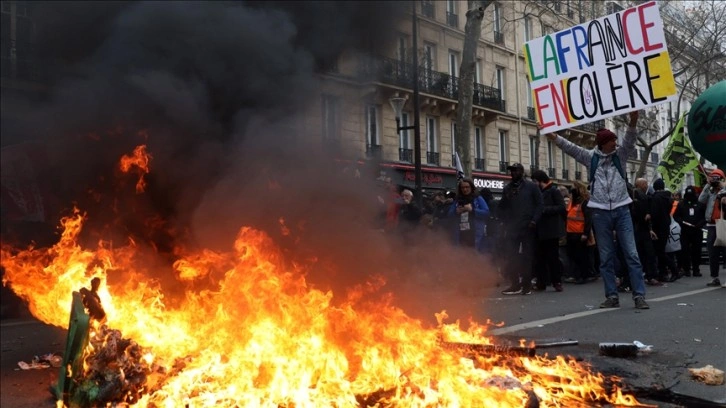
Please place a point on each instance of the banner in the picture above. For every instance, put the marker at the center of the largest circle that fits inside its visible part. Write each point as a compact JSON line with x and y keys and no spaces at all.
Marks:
{"x":605,"y":67}
{"x":678,"y":158}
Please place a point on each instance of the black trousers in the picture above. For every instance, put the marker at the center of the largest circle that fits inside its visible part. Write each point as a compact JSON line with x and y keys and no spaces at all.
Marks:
{"x":691,"y":246}
{"x":646,"y":253}
{"x":578,"y":253}
{"x":519,"y":249}
{"x":664,"y":261}
{"x":549,"y":268}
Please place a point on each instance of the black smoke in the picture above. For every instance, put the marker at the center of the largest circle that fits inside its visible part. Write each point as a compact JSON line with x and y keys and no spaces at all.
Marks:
{"x":220,"y":93}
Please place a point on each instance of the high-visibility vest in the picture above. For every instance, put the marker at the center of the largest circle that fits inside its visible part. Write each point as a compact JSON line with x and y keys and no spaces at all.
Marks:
{"x":575,"y":219}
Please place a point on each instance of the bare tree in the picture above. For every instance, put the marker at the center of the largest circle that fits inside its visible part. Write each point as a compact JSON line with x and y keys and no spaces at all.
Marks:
{"x":472,"y":30}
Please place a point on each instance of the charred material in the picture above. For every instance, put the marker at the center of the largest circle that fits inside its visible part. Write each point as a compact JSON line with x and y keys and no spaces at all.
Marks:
{"x":491,"y":349}
{"x":91,"y":300}
{"x":116,"y":371}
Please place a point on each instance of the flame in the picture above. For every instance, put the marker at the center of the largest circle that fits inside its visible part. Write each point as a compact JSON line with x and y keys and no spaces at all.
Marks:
{"x":260,"y":336}
{"x":140,"y":160}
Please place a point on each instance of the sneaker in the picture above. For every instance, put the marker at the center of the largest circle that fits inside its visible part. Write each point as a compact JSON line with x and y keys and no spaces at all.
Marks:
{"x":714,"y":282}
{"x":610,"y":303}
{"x":653,"y":282}
{"x":526,"y":291}
{"x":640,"y":303}
{"x":624,"y":289}
{"x":558,"y":287}
{"x":513,"y":290}
{"x":569,"y":280}
{"x":538,"y":288}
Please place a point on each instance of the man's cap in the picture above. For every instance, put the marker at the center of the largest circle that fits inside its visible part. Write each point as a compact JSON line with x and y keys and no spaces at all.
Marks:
{"x":515,"y":166}
{"x":603,"y":136}
{"x":717,"y":172}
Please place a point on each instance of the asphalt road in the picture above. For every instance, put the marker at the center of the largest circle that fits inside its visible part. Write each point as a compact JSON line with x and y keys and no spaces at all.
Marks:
{"x":686,"y":326}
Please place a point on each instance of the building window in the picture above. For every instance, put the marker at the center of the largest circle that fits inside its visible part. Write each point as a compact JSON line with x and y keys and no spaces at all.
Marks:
{"x":478,"y":143}
{"x":431,"y":136}
{"x":452,"y":19}
{"x":427,"y":8}
{"x":503,"y":146}
{"x":372,"y":125}
{"x":532,"y":152}
{"x":500,"y":81}
{"x":428,"y":63}
{"x":404,"y":137}
{"x":613,"y":8}
{"x":564,"y":160}
{"x":477,"y":71}
{"x":453,"y":142}
{"x":527,"y":28}
{"x":497,"y":18}
{"x":401,"y":50}
{"x":453,"y":64}
{"x":331,"y":118}
{"x":550,"y":155}
{"x":530,"y":101}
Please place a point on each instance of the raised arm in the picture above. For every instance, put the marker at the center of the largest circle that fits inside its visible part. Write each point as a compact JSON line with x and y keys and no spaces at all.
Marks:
{"x":631,"y":135}
{"x":579,"y":153}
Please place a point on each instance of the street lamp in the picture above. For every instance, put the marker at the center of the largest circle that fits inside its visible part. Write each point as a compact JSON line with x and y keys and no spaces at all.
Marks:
{"x":397,"y":103}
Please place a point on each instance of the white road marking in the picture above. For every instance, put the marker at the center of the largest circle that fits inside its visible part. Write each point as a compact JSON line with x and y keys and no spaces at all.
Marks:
{"x":543,"y":322}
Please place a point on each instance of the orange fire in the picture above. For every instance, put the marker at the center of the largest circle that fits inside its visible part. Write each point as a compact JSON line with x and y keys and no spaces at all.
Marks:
{"x":262,"y":337}
{"x":140,"y":161}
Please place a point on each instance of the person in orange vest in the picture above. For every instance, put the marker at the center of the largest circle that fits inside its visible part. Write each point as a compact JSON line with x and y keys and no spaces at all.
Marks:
{"x":712,"y":196}
{"x":580,"y":240}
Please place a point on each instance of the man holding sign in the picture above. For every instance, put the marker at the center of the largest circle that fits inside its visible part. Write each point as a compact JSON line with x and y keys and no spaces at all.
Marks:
{"x":609,"y":200}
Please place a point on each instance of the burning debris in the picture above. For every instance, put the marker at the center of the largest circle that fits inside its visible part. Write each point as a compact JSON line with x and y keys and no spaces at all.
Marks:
{"x":116,"y":371}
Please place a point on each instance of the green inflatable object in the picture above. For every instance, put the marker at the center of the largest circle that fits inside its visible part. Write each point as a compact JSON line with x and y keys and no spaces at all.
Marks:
{"x":707,"y":124}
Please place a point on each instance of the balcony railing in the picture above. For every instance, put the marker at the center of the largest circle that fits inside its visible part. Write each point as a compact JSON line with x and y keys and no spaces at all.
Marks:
{"x":405,"y":155}
{"x":503,"y":166}
{"x":374,"y":151}
{"x":427,"y":9}
{"x":565,"y":174}
{"x":592,"y":127}
{"x":433,"y":158}
{"x":479,"y":164}
{"x":552,"y":172}
{"x":530,"y":113}
{"x":498,"y":37}
{"x":452,"y":19}
{"x":578,"y":175}
{"x":395,"y":72}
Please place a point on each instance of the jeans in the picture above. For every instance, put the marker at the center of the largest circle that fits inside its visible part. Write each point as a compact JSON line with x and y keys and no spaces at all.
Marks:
{"x":604,"y":223}
{"x":715,"y":254}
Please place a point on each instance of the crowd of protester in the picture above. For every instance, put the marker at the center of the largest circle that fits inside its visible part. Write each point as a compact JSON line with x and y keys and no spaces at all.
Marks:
{"x":546,"y":235}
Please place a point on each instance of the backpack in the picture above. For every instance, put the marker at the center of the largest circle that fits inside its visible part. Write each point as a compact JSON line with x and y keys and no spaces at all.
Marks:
{"x":616,"y":162}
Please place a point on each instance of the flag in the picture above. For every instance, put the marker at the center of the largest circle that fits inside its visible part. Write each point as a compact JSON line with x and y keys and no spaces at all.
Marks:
{"x":678,"y":158}
{"x":700,"y":177}
{"x":459,"y":167}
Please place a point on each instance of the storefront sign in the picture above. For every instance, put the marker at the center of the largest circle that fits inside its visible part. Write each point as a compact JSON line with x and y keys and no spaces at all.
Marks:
{"x":489,"y":183}
{"x":429,"y":179}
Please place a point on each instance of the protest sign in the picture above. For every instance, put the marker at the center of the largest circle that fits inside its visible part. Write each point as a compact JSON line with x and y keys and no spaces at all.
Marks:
{"x":605,"y":67}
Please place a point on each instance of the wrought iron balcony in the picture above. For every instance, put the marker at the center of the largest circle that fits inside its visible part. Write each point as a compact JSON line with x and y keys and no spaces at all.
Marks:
{"x":433,"y":158}
{"x":452,"y":19}
{"x":530,"y":113}
{"x":503,"y":166}
{"x":565,"y":174}
{"x":405,"y":155}
{"x":578,"y":175}
{"x":592,"y":127}
{"x":395,"y":72}
{"x":479,"y":164}
{"x":552,"y":172}
{"x":427,"y":9}
{"x":488,"y":97}
{"x":498,"y":37}
{"x":374,"y":151}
